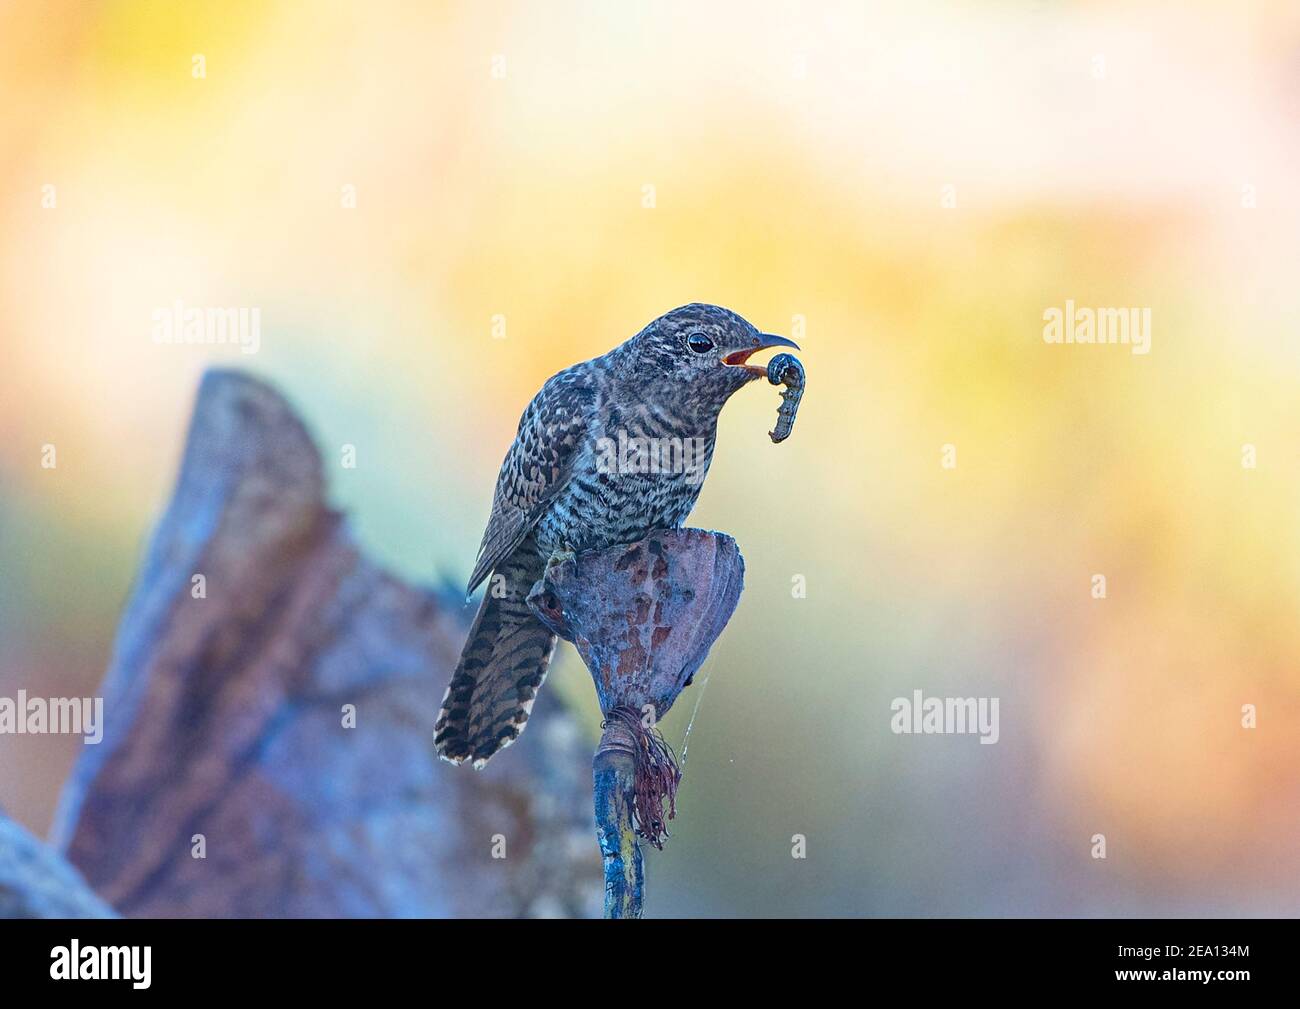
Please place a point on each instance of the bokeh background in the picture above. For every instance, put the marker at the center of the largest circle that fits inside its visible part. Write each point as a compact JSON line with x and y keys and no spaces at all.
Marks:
{"x":1126,"y":154}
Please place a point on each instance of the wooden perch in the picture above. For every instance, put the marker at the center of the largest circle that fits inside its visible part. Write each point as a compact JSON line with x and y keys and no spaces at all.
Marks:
{"x":643,"y":617}
{"x":254,"y":627}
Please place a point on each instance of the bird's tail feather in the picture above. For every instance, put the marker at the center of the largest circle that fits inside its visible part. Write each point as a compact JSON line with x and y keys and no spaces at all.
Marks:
{"x":501,"y":667}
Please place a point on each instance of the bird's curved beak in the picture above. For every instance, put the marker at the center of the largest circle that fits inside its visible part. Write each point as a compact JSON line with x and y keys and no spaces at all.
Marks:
{"x":764,"y":341}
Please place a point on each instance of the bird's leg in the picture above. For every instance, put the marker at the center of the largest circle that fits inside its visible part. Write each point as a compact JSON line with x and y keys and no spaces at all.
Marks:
{"x":561,"y":555}
{"x":542,"y":599}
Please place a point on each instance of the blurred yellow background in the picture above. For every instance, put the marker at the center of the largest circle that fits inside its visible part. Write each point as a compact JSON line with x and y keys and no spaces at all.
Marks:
{"x":906,"y":188}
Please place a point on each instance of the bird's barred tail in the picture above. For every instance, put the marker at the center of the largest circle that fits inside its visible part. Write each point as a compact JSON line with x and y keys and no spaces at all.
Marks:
{"x":501,"y":667}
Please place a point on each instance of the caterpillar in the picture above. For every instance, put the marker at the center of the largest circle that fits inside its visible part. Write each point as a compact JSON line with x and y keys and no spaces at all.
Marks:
{"x":785,"y":369}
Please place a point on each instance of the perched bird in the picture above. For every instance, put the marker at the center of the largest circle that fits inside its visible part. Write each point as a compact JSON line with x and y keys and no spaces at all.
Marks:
{"x":609,"y":451}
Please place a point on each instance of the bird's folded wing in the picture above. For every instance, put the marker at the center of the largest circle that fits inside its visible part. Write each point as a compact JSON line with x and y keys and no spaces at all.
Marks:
{"x":537,"y":467}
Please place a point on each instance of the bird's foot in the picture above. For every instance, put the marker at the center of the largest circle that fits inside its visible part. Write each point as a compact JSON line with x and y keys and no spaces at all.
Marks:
{"x":561,"y":555}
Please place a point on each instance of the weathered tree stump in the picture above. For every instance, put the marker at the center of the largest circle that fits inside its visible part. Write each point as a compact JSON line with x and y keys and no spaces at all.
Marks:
{"x":643,"y":617}
{"x":230,"y":782}
{"x":36,"y":882}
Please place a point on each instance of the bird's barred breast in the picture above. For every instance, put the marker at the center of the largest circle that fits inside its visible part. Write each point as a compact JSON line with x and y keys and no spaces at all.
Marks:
{"x":639,"y":472}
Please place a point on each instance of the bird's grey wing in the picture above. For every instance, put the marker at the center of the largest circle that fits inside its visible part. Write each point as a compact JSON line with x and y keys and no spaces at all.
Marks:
{"x":537,"y":467}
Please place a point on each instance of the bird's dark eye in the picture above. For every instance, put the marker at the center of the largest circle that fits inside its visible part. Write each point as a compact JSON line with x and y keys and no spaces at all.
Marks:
{"x":699,"y":343}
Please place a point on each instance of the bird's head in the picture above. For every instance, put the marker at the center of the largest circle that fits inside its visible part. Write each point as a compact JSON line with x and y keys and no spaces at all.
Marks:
{"x":698,"y":354}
